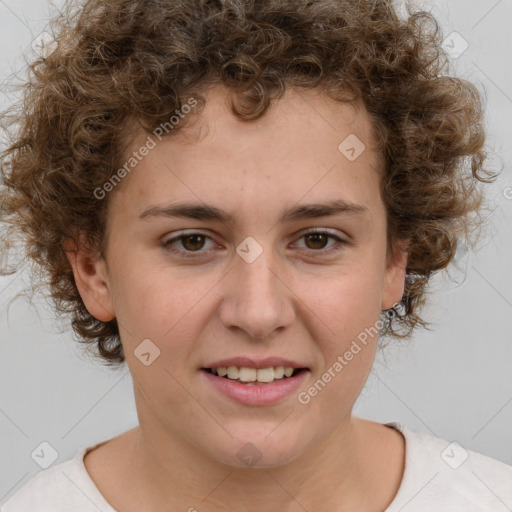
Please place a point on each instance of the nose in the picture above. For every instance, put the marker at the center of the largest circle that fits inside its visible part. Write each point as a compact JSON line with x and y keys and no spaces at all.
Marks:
{"x":256,"y":297}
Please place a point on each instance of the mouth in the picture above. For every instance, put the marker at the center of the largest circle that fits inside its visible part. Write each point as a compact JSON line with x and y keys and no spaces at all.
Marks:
{"x":254,"y":376}
{"x":264,"y":386}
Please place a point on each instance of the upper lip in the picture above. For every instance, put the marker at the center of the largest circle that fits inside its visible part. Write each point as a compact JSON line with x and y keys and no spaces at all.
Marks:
{"x":248,"y":362}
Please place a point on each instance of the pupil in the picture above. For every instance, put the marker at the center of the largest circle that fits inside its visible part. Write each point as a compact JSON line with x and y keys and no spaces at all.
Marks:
{"x":194,"y":237}
{"x":318,"y":236}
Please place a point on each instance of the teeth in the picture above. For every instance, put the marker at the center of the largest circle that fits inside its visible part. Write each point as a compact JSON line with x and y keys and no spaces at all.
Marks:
{"x":233,"y":372}
{"x":245,"y":374}
{"x":222,"y":372}
{"x":279,"y":372}
{"x":265,"y":375}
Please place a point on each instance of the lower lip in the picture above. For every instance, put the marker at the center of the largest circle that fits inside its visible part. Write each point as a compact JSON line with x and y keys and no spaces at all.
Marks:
{"x":254,"y":393}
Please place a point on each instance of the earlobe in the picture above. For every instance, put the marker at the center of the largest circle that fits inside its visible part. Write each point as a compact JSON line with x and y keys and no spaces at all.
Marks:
{"x":91,"y":280}
{"x":394,"y":284}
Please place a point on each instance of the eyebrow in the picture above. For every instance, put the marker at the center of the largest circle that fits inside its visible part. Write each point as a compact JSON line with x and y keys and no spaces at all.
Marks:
{"x":205,"y":212}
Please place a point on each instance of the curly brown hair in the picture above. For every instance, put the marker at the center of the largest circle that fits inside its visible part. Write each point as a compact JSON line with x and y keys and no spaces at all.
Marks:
{"x":137,"y":61}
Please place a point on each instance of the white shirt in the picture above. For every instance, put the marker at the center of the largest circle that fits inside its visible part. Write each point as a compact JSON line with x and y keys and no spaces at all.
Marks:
{"x":439,"y":476}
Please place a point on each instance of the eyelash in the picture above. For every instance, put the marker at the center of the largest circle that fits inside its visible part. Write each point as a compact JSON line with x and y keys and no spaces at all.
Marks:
{"x":195,"y":254}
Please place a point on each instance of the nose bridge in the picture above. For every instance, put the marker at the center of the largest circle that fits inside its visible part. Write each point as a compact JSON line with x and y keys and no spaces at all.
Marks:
{"x":258,"y":276}
{"x":254,"y":298}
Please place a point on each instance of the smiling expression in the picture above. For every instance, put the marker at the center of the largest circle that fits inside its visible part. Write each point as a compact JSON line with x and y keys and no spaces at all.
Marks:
{"x":262,"y":239}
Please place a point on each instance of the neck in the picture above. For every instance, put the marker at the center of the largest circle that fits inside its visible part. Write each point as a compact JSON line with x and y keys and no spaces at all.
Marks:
{"x":335,"y":474}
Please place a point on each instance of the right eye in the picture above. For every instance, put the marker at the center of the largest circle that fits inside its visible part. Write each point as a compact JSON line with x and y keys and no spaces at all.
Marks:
{"x":192,"y":243}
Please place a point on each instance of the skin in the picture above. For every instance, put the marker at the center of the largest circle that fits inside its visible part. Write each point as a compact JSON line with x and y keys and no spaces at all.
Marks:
{"x":295,"y":300}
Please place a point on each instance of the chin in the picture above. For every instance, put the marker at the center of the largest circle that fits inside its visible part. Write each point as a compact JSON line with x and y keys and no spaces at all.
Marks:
{"x":260,"y":450}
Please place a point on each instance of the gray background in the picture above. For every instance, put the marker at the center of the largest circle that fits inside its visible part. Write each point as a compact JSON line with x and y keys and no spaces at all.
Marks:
{"x":454,"y":382}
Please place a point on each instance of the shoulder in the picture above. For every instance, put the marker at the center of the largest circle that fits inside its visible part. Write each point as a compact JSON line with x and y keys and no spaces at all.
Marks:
{"x":60,"y":488}
{"x":443,"y":475}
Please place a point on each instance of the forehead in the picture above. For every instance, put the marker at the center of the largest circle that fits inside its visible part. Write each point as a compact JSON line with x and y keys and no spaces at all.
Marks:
{"x":305,"y":144}
{"x":299,"y":115}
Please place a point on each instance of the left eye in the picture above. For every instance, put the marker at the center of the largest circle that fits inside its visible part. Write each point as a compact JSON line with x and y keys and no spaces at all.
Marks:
{"x":319,"y":238}
{"x":194,"y":242}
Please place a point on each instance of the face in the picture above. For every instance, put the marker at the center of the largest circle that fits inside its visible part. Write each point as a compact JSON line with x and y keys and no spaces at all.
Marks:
{"x":249,"y":272}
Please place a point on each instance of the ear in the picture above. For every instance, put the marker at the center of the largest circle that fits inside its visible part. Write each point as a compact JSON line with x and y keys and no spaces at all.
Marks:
{"x":91,"y":279}
{"x":394,"y":278}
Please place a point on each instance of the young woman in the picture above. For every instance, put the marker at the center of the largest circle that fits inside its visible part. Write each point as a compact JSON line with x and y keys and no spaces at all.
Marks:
{"x":237,"y":199}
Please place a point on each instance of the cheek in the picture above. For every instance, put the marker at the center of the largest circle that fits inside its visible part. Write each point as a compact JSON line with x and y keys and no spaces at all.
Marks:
{"x":345,"y":302}
{"x":156,"y":302}
{"x":347,"y":325}
{"x":172,"y":318}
